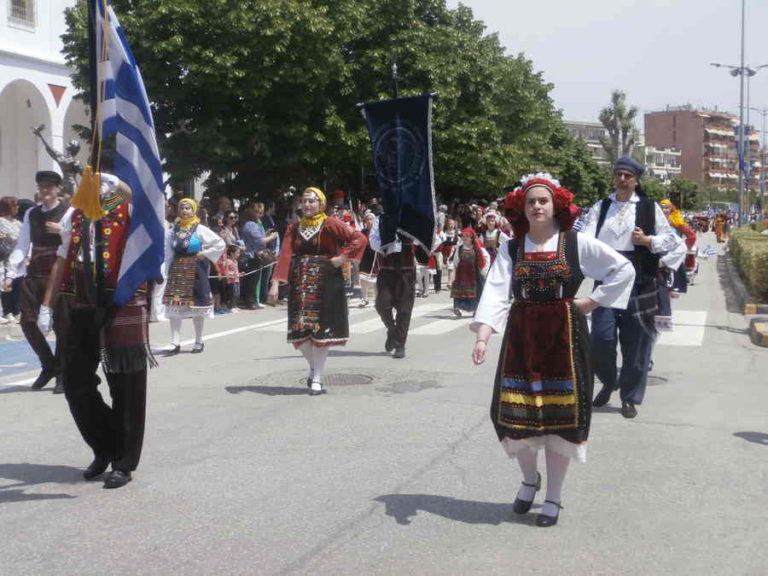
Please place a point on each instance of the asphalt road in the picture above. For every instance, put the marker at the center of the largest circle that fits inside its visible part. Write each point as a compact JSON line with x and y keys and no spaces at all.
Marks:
{"x":397,"y":469}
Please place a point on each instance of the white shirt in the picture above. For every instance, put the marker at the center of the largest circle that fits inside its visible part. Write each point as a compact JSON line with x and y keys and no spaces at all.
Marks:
{"x":596,"y":260}
{"x":620,"y":223}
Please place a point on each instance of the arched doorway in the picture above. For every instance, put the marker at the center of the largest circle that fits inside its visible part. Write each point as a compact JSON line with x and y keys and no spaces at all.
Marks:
{"x":22,"y":107}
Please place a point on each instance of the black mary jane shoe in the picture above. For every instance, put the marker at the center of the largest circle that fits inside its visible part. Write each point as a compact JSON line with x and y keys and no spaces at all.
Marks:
{"x":388,"y":344}
{"x":96,"y":468}
{"x":544,"y":521}
{"x":522,"y":506}
{"x":198,"y":347}
{"x":173,"y":351}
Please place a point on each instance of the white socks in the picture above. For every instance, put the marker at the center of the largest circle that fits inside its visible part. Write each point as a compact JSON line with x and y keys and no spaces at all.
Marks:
{"x":199,"y":322}
{"x":557,"y":467}
{"x":319,"y":356}
{"x":175,"y":331}
{"x":526,"y":458}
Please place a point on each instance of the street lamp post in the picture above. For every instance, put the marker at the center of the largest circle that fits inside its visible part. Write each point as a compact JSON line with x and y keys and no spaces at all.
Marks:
{"x":742,"y":72}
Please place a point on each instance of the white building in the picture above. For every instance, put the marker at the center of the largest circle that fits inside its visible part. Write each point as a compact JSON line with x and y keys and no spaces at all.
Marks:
{"x":35,"y":89}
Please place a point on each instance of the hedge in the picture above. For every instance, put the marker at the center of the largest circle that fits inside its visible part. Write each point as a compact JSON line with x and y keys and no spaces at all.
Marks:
{"x":749,"y":250}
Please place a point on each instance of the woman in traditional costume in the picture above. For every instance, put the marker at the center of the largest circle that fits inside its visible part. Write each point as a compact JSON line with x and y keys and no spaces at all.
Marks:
{"x":310,"y":261}
{"x":471,"y":262}
{"x":491,"y":235}
{"x":543,"y":388}
{"x":189,"y":251}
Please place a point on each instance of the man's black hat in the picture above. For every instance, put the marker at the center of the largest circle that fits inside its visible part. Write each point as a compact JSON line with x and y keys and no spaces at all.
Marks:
{"x":48,"y":176}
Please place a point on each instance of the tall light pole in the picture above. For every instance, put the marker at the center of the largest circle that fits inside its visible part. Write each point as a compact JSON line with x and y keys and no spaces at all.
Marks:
{"x":742,"y":72}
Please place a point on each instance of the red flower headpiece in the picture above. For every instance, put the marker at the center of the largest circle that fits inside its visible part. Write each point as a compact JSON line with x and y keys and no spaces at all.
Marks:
{"x":565,"y":211}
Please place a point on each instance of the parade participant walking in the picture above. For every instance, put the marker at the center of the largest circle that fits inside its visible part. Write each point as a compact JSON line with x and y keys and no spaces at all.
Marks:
{"x":190,"y":249}
{"x":310,"y":263}
{"x":471,"y":262}
{"x":40,"y":232}
{"x":450,"y":242}
{"x":395,"y":288}
{"x":369,"y":264}
{"x":99,"y":332}
{"x":543,"y":384}
{"x":635,"y":226}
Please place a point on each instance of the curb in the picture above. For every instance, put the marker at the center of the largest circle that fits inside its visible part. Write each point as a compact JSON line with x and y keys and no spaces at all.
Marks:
{"x":752,"y":309}
{"x":740,"y":291}
{"x":758,"y":331}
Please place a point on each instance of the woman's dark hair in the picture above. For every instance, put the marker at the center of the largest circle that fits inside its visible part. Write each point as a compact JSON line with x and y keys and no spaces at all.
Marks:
{"x":8,"y":207}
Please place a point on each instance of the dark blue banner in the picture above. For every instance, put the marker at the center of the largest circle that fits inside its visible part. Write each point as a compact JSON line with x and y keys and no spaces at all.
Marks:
{"x":401,"y":140}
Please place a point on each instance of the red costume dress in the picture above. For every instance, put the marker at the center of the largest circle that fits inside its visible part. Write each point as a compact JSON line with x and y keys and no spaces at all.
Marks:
{"x":317,"y":306}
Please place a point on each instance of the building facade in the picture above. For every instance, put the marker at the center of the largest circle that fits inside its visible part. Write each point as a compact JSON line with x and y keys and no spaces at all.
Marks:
{"x":35,"y":90}
{"x":590,"y":133}
{"x":707,"y":141}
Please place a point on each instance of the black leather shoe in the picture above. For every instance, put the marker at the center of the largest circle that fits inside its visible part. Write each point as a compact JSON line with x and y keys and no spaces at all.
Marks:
{"x":96,"y":468}
{"x":544,"y":521}
{"x":388,"y":345}
{"x":43,"y":379}
{"x":603,"y":396}
{"x":117,"y":479}
{"x":399,"y":353}
{"x":173,"y":351}
{"x":522,"y":506}
{"x":628,"y":410}
{"x":197,"y":348}
{"x":59,"y":388}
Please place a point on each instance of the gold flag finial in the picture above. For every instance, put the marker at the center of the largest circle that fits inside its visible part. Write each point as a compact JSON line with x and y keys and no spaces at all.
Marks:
{"x":87,"y":197}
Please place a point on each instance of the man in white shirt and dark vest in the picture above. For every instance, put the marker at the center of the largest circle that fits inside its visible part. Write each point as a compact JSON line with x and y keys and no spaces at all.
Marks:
{"x":38,"y":241}
{"x":634,"y":225}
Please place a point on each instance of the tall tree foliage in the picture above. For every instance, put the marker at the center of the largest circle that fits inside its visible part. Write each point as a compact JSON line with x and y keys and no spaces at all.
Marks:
{"x":263,"y":93}
{"x":619,"y":120}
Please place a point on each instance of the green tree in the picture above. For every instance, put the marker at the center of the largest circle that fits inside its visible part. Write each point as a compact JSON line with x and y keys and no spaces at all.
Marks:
{"x":260,"y":94}
{"x":684,"y":193}
{"x":619,"y":120}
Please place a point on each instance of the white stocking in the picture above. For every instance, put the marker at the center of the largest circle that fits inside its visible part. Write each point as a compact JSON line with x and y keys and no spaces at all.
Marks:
{"x":175,"y":331}
{"x":319,"y":356}
{"x":199,"y":322}
{"x":557,"y":467}
{"x":526,"y":458}
{"x":306,"y":350}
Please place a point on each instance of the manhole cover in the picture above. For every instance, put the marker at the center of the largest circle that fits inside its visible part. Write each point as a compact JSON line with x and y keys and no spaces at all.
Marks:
{"x":344,"y":380}
{"x":657,"y":380}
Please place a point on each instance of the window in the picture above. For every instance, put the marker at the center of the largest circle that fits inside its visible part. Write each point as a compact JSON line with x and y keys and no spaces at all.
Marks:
{"x":22,"y":12}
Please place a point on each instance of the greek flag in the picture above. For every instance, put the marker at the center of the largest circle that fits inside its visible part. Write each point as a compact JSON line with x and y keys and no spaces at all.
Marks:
{"x":124,"y":110}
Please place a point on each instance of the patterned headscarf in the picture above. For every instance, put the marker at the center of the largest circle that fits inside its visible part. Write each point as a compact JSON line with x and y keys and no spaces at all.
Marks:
{"x":188,"y":222}
{"x":675,"y":217}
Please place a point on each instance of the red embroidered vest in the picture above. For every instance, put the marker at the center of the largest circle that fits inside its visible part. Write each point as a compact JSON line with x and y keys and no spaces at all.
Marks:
{"x":114,"y":235}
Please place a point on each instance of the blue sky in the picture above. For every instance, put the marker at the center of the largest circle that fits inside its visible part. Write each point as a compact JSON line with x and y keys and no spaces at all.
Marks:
{"x":657,"y":51}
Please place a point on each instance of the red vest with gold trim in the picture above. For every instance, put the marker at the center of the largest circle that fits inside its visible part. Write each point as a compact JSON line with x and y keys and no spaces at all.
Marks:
{"x":115,"y":233}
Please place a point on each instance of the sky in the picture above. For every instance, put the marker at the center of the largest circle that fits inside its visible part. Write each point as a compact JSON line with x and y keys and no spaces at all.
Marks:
{"x":657,"y":51}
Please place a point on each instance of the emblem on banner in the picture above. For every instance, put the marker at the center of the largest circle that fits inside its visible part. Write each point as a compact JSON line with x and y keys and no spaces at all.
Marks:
{"x":398,"y":154}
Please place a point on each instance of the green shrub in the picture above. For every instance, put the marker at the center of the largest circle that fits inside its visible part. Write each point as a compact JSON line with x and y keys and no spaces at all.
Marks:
{"x":750,"y":253}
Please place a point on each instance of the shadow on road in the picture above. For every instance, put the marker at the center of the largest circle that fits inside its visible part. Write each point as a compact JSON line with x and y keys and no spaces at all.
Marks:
{"x":754,"y":437}
{"x":17,"y":389}
{"x":32,"y":474}
{"x":403,"y":506}
{"x":734,"y":300}
{"x":268,"y":390}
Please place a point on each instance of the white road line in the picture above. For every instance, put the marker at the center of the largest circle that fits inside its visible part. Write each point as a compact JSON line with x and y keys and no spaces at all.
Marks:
{"x":688,"y":328}
{"x":440,"y":327}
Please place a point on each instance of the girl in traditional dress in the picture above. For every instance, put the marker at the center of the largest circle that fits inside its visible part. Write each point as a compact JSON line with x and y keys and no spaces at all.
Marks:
{"x":471,"y":262}
{"x":310,"y":263}
{"x":491,"y":235}
{"x":449,"y":245}
{"x":543,"y":387}
{"x":189,"y":251}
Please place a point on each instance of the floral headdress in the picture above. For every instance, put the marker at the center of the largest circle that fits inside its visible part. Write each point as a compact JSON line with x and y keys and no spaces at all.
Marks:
{"x":565,"y":211}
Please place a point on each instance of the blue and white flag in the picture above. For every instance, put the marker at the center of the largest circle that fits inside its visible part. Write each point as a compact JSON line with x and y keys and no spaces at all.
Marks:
{"x":124,"y":110}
